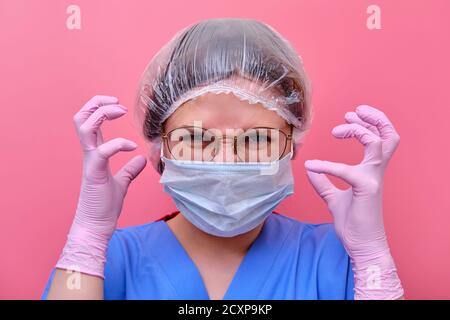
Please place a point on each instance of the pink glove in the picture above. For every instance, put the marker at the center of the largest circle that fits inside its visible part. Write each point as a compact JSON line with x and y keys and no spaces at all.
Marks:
{"x":101,"y":195}
{"x":358,"y":211}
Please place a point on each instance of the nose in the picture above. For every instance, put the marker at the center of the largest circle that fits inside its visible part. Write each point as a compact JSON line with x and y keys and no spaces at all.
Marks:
{"x":225,"y":150}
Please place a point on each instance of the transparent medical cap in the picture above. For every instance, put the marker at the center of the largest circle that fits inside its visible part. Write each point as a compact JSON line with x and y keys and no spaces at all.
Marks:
{"x":243,"y":57}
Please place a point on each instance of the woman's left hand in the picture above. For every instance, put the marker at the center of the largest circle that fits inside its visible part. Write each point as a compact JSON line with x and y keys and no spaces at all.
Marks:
{"x":358,"y":211}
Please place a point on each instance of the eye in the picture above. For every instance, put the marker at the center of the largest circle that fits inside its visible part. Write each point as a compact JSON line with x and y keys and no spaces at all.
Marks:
{"x":261,"y":138}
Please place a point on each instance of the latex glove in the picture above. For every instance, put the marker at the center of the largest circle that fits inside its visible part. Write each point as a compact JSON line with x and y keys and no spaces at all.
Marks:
{"x":102,"y":194}
{"x":358,"y":211}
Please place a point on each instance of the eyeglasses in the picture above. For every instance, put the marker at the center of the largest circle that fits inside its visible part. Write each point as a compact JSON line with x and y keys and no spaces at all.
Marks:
{"x":259,"y":144}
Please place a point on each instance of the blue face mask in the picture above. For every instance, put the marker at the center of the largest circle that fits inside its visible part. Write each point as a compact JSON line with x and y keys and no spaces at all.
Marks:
{"x":227,"y":199}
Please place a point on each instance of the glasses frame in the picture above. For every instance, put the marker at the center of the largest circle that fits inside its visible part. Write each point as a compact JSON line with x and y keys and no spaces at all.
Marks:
{"x":165,"y":137}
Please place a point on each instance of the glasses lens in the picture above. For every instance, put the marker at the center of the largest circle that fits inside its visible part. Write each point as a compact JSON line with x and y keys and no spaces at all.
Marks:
{"x":261,"y":145}
{"x":191,"y":143}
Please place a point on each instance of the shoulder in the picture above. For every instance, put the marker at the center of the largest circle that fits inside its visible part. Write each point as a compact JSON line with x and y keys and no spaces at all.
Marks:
{"x":129,"y":243}
{"x":315,"y":232}
{"x":320,"y":257}
{"x":137,"y":235}
{"x":124,"y":251}
{"x":311,"y":238}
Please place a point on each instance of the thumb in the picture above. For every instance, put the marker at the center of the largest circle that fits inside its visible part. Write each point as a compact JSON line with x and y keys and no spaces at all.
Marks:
{"x":130,"y":171}
{"x":323,"y":186}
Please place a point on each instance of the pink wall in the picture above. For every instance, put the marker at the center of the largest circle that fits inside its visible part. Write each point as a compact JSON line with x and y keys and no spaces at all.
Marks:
{"x":47,"y":72}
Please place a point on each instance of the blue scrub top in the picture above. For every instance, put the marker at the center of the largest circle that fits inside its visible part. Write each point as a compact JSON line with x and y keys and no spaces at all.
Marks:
{"x":288,"y":260}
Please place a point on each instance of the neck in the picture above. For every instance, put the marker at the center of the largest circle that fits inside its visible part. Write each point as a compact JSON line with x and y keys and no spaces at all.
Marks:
{"x":193,"y":238}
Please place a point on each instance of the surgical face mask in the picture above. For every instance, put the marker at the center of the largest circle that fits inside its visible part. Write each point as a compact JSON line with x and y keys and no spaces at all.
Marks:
{"x":227,"y":199}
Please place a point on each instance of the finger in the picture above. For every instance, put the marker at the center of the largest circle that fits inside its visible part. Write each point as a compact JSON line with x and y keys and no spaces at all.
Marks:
{"x":371,"y":142}
{"x":352,"y":117}
{"x":88,"y":130}
{"x":323,"y":186}
{"x":110,"y":148}
{"x":89,"y":108}
{"x":339,"y":170}
{"x":113,"y":146}
{"x":388,"y":134}
{"x":131,"y":170}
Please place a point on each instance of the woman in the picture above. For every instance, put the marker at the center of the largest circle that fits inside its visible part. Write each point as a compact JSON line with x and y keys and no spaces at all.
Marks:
{"x":224,"y":106}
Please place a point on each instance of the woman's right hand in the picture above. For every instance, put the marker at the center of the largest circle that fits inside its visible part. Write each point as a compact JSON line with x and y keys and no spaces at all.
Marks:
{"x":102,"y":194}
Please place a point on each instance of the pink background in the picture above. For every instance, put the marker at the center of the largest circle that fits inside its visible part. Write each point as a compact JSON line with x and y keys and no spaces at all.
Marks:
{"x":47,"y":72}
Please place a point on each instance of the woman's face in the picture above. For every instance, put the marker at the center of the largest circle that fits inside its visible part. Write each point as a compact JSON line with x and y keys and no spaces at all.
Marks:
{"x":228,"y":115}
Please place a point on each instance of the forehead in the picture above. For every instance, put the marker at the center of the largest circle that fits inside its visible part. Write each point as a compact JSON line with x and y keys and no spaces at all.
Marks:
{"x":223,"y":111}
